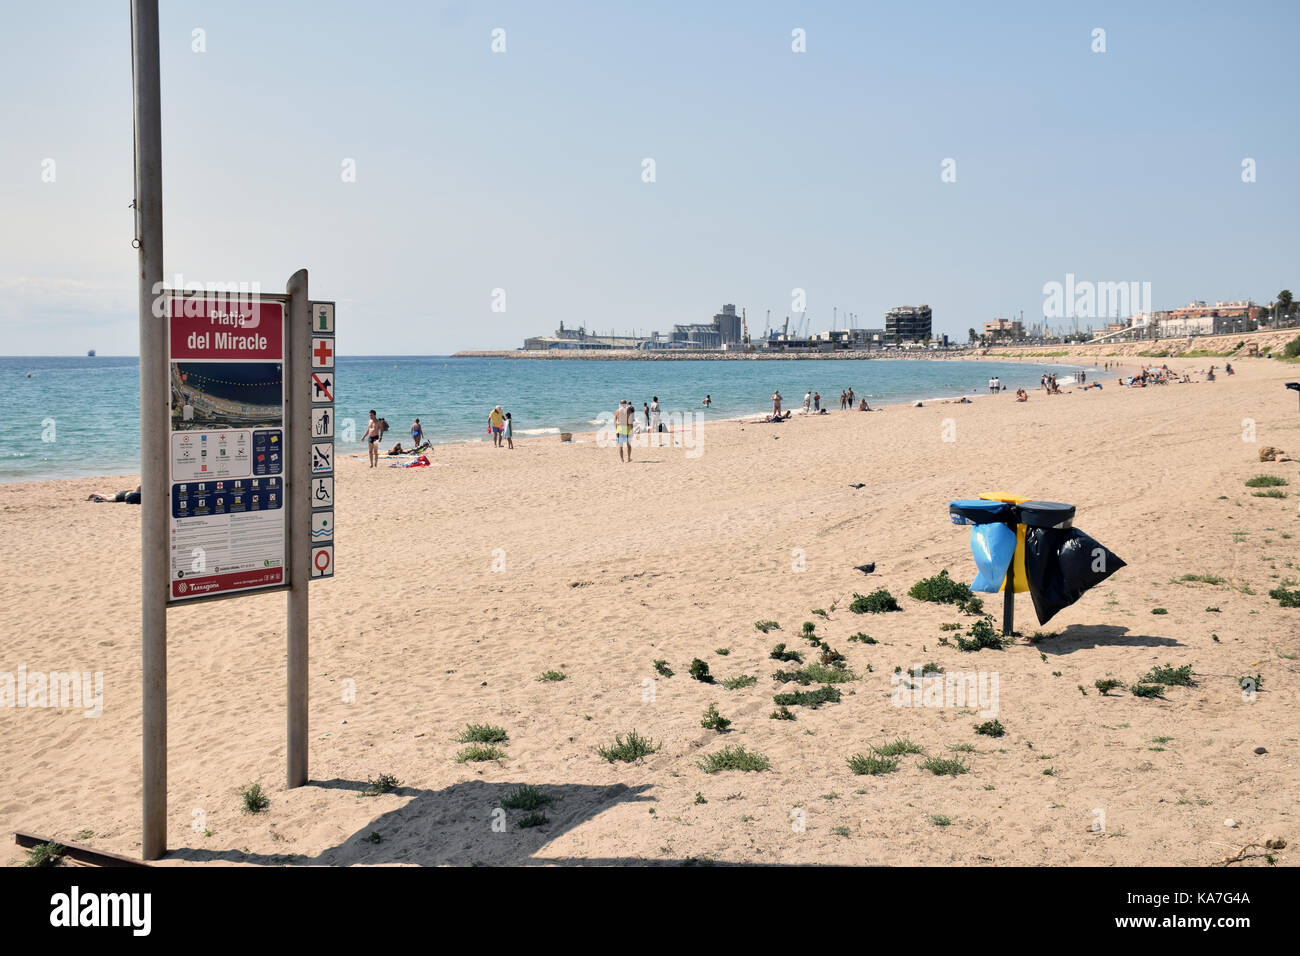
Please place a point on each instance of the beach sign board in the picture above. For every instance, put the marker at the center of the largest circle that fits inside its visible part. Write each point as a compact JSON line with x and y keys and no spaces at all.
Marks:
{"x":323,"y":450}
{"x":226,"y":444}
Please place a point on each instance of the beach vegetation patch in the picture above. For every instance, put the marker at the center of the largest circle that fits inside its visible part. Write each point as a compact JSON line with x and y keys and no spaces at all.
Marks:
{"x":1266,"y":481}
{"x":533,"y":819}
{"x":1170,"y":676}
{"x":878,"y":601}
{"x":1147,"y":690}
{"x":628,"y":749}
{"x":714,"y":720}
{"x":1285,"y":598}
{"x":1105,"y":685}
{"x":662,"y":669}
{"x":700,"y":671}
{"x":945,"y":766}
{"x":939,"y":820}
{"x":734,"y":758}
{"x":861,"y":638}
{"x":735,"y":683}
{"x":384,"y":783}
{"x":1270,"y":493}
{"x":766,"y":626}
{"x":722,"y":651}
{"x":1159,"y":610}
{"x":940,"y":589}
{"x":812,"y":699}
{"x":553,"y":676}
{"x":821,"y":612}
{"x":45,"y":854}
{"x":254,"y":798}
{"x":872,"y":764}
{"x":481,"y":734}
{"x":981,"y":634}
{"x":478,"y":753}
{"x":526,"y":797}
{"x":899,"y":747}
{"x":779,"y":653}
{"x":991,"y":728}
{"x":1202,"y":579}
{"x":782,"y":713}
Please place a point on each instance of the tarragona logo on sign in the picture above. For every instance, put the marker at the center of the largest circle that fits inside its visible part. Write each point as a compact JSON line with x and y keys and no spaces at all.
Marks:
{"x":230,"y":329}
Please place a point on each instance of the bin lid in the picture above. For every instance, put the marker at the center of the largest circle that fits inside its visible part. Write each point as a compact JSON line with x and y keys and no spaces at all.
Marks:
{"x":1003,"y":496}
{"x":1045,"y":514}
{"x":981,"y":511}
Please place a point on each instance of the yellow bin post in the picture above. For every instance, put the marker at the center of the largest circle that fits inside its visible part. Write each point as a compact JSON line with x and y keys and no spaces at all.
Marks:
{"x":1016,"y":575}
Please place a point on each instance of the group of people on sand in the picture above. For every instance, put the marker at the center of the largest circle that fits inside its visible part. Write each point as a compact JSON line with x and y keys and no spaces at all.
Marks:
{"x":501,"y":426}
{"x":812,"y":404}
{"x":375,"y":429}
{"x":626,"y":423}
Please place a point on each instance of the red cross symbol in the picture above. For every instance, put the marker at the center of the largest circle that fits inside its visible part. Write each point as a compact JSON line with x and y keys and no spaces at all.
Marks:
{"x":323,"y":352}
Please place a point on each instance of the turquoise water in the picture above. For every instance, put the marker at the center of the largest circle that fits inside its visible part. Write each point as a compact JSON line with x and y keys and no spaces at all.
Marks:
{"x":80,"y":416}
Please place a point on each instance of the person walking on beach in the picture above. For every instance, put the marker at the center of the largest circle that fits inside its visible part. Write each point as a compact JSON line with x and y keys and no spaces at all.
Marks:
{"x":496,"y":425}
{"x":417,"y":435}
{"x":510,"y":432}
{"x":623,"y":419}
{"x":372,"y":439}
{"x":654,"y":420}
{"x":807,"y":402}
{"x":850,"y":397}
{"x":817,"y":401}
{"x":844,"y":399}
{"x":646,"y":408}
{"x":776,"y":402}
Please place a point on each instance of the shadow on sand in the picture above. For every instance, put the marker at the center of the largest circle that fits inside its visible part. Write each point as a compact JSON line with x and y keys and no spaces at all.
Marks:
{"x":1079,"y":637}
{"x":453,"y":827}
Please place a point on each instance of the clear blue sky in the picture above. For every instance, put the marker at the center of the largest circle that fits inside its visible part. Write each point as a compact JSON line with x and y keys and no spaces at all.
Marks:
{"x":522,"y":170}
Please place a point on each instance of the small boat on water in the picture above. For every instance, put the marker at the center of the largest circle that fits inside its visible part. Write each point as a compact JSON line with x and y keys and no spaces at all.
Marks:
{"x":90,"y":354}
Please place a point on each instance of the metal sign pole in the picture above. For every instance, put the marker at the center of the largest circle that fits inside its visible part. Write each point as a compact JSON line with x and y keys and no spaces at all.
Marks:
{"x":154,"y":411}
{"x":298,"y":484}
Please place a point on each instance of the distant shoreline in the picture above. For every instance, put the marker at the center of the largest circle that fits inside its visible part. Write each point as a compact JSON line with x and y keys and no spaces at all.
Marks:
{"x":1200,"y":346}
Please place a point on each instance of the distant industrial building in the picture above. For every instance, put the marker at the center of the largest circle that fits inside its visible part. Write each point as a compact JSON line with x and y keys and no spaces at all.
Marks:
{"x":728,"y":325}
{"x":580,"y":338}
{"x":1002,"y":330}
{"x":908,"y":323}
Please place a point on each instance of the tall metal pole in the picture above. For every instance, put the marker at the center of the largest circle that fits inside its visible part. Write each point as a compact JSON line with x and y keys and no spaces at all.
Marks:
{"x":154,"y":409}
{"x":297,"y":490}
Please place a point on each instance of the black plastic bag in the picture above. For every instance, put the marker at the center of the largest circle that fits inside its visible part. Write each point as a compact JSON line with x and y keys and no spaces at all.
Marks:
{"x":1063,"y":563}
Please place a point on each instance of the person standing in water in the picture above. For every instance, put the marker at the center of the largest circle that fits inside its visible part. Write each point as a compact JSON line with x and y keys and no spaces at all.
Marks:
{"x":654,"y":420}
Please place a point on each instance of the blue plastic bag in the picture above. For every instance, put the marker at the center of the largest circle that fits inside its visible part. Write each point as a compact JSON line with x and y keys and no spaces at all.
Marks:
{"x":993,"y":546}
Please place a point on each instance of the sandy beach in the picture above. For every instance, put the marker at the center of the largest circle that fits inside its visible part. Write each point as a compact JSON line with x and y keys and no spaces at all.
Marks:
{"x":459,"y":584}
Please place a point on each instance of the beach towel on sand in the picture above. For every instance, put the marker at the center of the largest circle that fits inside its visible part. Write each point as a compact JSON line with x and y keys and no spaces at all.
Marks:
{"x":421,"y":462}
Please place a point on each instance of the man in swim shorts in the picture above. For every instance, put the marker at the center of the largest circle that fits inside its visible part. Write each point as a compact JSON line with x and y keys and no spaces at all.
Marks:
{"x":623,"y":428}
{"x":371,"y":436}
{"x":496,"y":425}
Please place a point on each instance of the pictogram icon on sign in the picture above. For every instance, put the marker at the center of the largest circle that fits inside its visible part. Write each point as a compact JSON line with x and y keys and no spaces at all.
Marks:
{"x":322,"y":387}
{"x":322,"y":457}
{"x":322,"y":561}
{"x":322,"y":317}
{"x":322,"y":353}
{"x":322,"y":422}
{"x":322,"y":492}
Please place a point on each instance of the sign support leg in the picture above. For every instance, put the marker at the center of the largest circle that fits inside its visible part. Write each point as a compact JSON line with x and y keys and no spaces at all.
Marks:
{"x":1009,"y":597}
{"x":154,"y":424}
{"x":297,"y":373}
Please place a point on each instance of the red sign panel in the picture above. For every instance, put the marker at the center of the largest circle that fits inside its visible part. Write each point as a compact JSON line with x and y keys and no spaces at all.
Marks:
{"x":233,"y":581}
{"x":235,"y":328}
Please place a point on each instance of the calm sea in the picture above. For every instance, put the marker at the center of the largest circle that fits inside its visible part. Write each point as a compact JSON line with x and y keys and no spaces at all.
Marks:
{"x":66,"y":417}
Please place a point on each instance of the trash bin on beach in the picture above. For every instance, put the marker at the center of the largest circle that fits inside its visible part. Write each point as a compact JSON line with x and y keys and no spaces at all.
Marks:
{"x":1024,"y":545}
